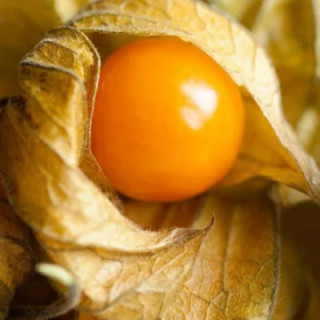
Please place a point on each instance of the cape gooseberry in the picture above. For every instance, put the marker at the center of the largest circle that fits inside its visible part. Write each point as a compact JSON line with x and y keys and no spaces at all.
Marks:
{"x":168,"y":120}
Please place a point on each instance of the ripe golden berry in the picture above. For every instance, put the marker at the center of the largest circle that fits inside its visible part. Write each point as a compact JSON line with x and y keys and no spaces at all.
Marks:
{"x":168,"y":120}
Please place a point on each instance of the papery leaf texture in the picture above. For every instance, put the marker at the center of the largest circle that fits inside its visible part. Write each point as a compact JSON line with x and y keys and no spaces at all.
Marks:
{"x":16,"y":255}
{"x":222,"y":260}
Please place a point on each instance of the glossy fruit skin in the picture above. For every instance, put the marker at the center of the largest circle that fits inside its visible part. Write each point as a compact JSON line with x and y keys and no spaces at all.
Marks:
{"x":168,"y":120}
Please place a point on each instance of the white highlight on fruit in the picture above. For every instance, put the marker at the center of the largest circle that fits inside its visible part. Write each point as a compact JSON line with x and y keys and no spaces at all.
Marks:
{"x":203,"y":103}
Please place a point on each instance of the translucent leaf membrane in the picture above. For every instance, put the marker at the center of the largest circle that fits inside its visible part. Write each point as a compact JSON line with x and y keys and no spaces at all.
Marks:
{"x":123,"y":270}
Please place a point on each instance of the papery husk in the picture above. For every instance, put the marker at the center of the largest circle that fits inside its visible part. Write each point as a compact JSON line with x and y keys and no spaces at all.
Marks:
{"x":235,"y":273}
{"x":22,"y":25}
{"x":295,"y":53}
{"x":308,"y":126}
{"x":125,"y":272}
{"x":16,"y":256}
{"x":290,"y":32}
{"x":72,"y":213}
{"x":245,"y":11}
{"x":291,"y":49}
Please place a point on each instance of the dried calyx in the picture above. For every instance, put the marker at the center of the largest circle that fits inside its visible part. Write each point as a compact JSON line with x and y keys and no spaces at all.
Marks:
{"x":120,"y":268}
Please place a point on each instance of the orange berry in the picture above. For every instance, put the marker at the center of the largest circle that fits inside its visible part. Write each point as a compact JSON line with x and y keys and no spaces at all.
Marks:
{"x":168,"y":120}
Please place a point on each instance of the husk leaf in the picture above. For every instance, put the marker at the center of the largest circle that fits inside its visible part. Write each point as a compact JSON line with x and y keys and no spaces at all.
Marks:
{"x":16,"y":256}
{"x":291,"y":49}
{"x":245,"y":11}
{"x":290,"y":32}
{"x":235,"y":273}
{"x":308,"y":126}
{"x":96,"y":235}
{"x":239,"y":256}
{"x":121,"y":268}
{"x":295,"y":52}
